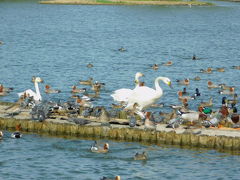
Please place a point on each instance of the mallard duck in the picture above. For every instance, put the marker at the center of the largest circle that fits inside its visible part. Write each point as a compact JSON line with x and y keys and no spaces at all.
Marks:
{"x":236,"y":67}
{"x":185,"y":82}
{"x":184,"y":92}
{"x":225,"y":87}
{"x":98,"y":149}
{"x":122,"y":49}
{"x":207,"y":104}
{"x":86,"y":82}
{"x":142,"y":156}
{"x":48,"y":90}
{"x":97,"y":86}
{"x":233,"y":101}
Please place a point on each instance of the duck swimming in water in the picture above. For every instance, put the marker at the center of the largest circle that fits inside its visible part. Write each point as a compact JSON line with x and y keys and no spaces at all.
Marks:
{"x":99,"y":149}
{"x":116,"y":178}
{"x":142,"y":156}
{"x":17,"y":133}
{"x":48,"y":90}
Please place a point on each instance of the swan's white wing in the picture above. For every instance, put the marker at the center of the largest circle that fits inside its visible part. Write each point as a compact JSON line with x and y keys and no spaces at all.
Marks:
{"x":122,"y":95}
{"x":143,"y":96}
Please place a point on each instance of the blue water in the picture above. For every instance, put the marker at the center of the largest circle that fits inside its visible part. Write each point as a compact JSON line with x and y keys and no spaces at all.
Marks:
{"x":57,"y":42}
{"x":41,"y":157}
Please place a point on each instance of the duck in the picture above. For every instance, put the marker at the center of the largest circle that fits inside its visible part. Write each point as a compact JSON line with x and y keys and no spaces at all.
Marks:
{"x":97,"y":86}
{"x":236,"y":67}
{"x":220,"y":69}
{"x":185,"y":82}
{"x":184,"y":92}
{"x":98,"y":149}
{"x":174,"y":123}
{"x":116,"y":178}
{"x":3,"y":93}
{"x":89,"y":65}
{"x":233,"y":101}
{"x":1,"y":42}
{"x":235,"y":117}
{"x":122,"y":95}
{"x":5,"y":89}
{"x":191,"y":117}
{"x":194,"y":57}
{"x":17,"y":133}
{"x":211,"y":85}
{"x":225,"y":87}
{"x":30,"y":93}
{"x":83,"y":103}
{"x":86,"y":82}
{"x":122,"y":49}
{"x":145,"y":96}
{"x":48,"y":90}
{"x":207,"y":71}
{"x":197,"y":78}
{"x":207,"y":104}
{"x":169,"y":63}
{"x":148,"y":124}
{"x":1,"y":135}
{"x":78,"y":90}
{"x":140,"y":156}
{"x":182,"y":98}
{"x":197,"y":93}
{"x":227,"y":92}
{"x":155,"y":67}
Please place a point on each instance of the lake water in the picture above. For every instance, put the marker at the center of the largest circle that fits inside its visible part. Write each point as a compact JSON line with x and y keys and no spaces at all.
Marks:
{"x":57,"y":42}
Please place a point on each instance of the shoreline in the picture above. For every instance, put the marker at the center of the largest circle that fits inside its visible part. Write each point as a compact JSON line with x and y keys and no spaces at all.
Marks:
{"x":126,"y":2}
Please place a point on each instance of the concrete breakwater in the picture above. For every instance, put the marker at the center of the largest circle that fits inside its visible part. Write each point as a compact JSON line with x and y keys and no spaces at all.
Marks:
{"x":199,"y":137}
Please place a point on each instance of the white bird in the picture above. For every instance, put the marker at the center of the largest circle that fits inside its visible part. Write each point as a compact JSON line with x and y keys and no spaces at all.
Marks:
{"x":145,"y":96}
{"x":30,"y":93}
{"x":122,"y":95}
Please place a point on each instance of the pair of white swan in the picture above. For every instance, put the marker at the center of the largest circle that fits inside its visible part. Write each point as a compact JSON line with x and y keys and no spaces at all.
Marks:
{"x":143,"y":96}
{"x":30,"y":93}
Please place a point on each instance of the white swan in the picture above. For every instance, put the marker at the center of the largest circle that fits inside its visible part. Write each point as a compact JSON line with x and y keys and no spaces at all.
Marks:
{"x":145,"y":96}
{"x":122,"y":95}
{"x":30,"y":93}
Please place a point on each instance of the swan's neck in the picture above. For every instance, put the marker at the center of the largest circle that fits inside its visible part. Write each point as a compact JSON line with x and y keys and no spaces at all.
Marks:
{"x":37,"y":91}
{"x":136,"y":80}
{"x":157,"y":86}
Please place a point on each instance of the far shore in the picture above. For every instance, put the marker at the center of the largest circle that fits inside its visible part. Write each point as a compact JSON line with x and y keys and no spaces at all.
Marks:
{"x":126,"y":2}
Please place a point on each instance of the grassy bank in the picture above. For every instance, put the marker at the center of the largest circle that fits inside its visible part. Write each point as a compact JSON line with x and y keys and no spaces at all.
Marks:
{"x":126,"y":2}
